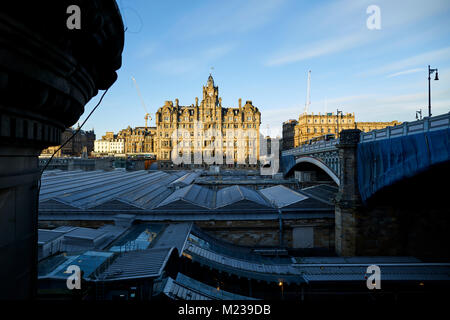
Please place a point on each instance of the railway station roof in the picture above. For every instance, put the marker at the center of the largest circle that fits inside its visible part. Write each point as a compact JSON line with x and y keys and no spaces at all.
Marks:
{"x":155,"y":193}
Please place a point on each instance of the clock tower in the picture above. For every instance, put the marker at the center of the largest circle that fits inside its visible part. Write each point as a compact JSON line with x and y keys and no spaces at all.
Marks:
{"x":210,"y":94}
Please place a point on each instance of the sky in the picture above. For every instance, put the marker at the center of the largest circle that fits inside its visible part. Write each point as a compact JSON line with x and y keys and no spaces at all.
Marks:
{"x":261,"y":50}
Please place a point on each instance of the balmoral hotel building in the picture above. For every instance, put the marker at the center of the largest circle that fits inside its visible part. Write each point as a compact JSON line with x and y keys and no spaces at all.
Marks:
{"x":315,"y":125}
{"x":193,"y":126}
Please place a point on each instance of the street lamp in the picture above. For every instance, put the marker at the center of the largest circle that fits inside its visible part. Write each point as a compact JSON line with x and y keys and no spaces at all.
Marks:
{"x":419,"y":114}
{"x":281,"y":285}
{"x":430,"y":72}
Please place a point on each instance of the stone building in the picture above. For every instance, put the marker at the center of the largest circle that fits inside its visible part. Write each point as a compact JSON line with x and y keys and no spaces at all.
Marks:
{"x":138,"y":140}
{"x":109,"y":146}
{"x":288,"y":134}
{"x":209,"y":128}
{"x":311,"y":126}
{"x":82,"y":141}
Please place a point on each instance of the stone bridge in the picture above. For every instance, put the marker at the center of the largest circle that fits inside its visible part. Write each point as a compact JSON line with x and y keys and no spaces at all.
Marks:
{"x":388,"y":200}
{"x":382,"y":157}
{"x":323,"y":154}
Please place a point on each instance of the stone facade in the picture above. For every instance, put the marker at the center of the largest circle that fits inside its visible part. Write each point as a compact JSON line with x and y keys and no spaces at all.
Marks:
{"x":348,"y":200}
{"x":197,"y":119}
{"x":288,"y":134}
{"x":83,"y":141}
{"x":130,"y":141}
{"x":311,"y":126}
{"x":109,"y":146}
{"x":266,"y":233}
{"x":138,"y":140}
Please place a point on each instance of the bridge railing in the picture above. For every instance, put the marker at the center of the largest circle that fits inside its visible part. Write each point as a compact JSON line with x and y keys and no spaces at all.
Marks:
{"x":407,"y":128}
{"x":311,"y":148}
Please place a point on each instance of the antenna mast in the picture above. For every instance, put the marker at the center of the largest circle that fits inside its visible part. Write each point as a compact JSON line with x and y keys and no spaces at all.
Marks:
{"x":308,"y":93}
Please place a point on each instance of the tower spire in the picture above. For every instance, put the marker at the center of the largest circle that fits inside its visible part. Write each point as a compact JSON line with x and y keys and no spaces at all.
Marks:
{"x":210,"y":82}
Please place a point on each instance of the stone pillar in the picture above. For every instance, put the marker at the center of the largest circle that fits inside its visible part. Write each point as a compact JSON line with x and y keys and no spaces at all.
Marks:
{"x":348,"y":200}
{"x":47,"y":75}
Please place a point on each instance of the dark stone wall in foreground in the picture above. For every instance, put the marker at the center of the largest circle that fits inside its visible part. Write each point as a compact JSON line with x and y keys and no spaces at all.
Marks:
{"x":47,"y":75}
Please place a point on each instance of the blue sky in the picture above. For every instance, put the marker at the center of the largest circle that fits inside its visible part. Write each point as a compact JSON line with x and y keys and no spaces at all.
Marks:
{"x":261,"y":50}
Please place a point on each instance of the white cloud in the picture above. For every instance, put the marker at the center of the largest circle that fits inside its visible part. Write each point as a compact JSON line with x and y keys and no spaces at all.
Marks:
{"x":227,"y":17}
{"x":321,"y":48}
{"x":218,"y":51}
{"x":344,"y":23}
{"x":422,"y":59}
{"x":409,"y":71}
{"x":201,"y":59}
{"x":406,"y":12}
{"x":146,"y":50}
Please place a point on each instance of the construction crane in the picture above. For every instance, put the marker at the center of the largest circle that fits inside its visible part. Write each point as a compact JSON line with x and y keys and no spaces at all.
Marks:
{"x":147,"y":115}
{"x":308,"y":93}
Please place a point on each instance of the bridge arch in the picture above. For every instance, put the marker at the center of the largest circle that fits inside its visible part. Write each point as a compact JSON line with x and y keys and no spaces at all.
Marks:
{"x":317,"y":162}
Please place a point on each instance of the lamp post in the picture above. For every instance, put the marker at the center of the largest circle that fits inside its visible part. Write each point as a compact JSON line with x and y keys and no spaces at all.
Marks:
{"x":430,"y":72}
{"x":419,"y":114}
{"x":281,"y":285}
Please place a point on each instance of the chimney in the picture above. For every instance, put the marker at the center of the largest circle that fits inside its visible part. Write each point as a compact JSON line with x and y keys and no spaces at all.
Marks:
{"x":176,"y":103}
{"x":240,"y":102}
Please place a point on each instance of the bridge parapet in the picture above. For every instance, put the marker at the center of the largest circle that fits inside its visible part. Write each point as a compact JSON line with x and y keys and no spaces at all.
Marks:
{"x":408,"y":128}
{"x":320,"y":146}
